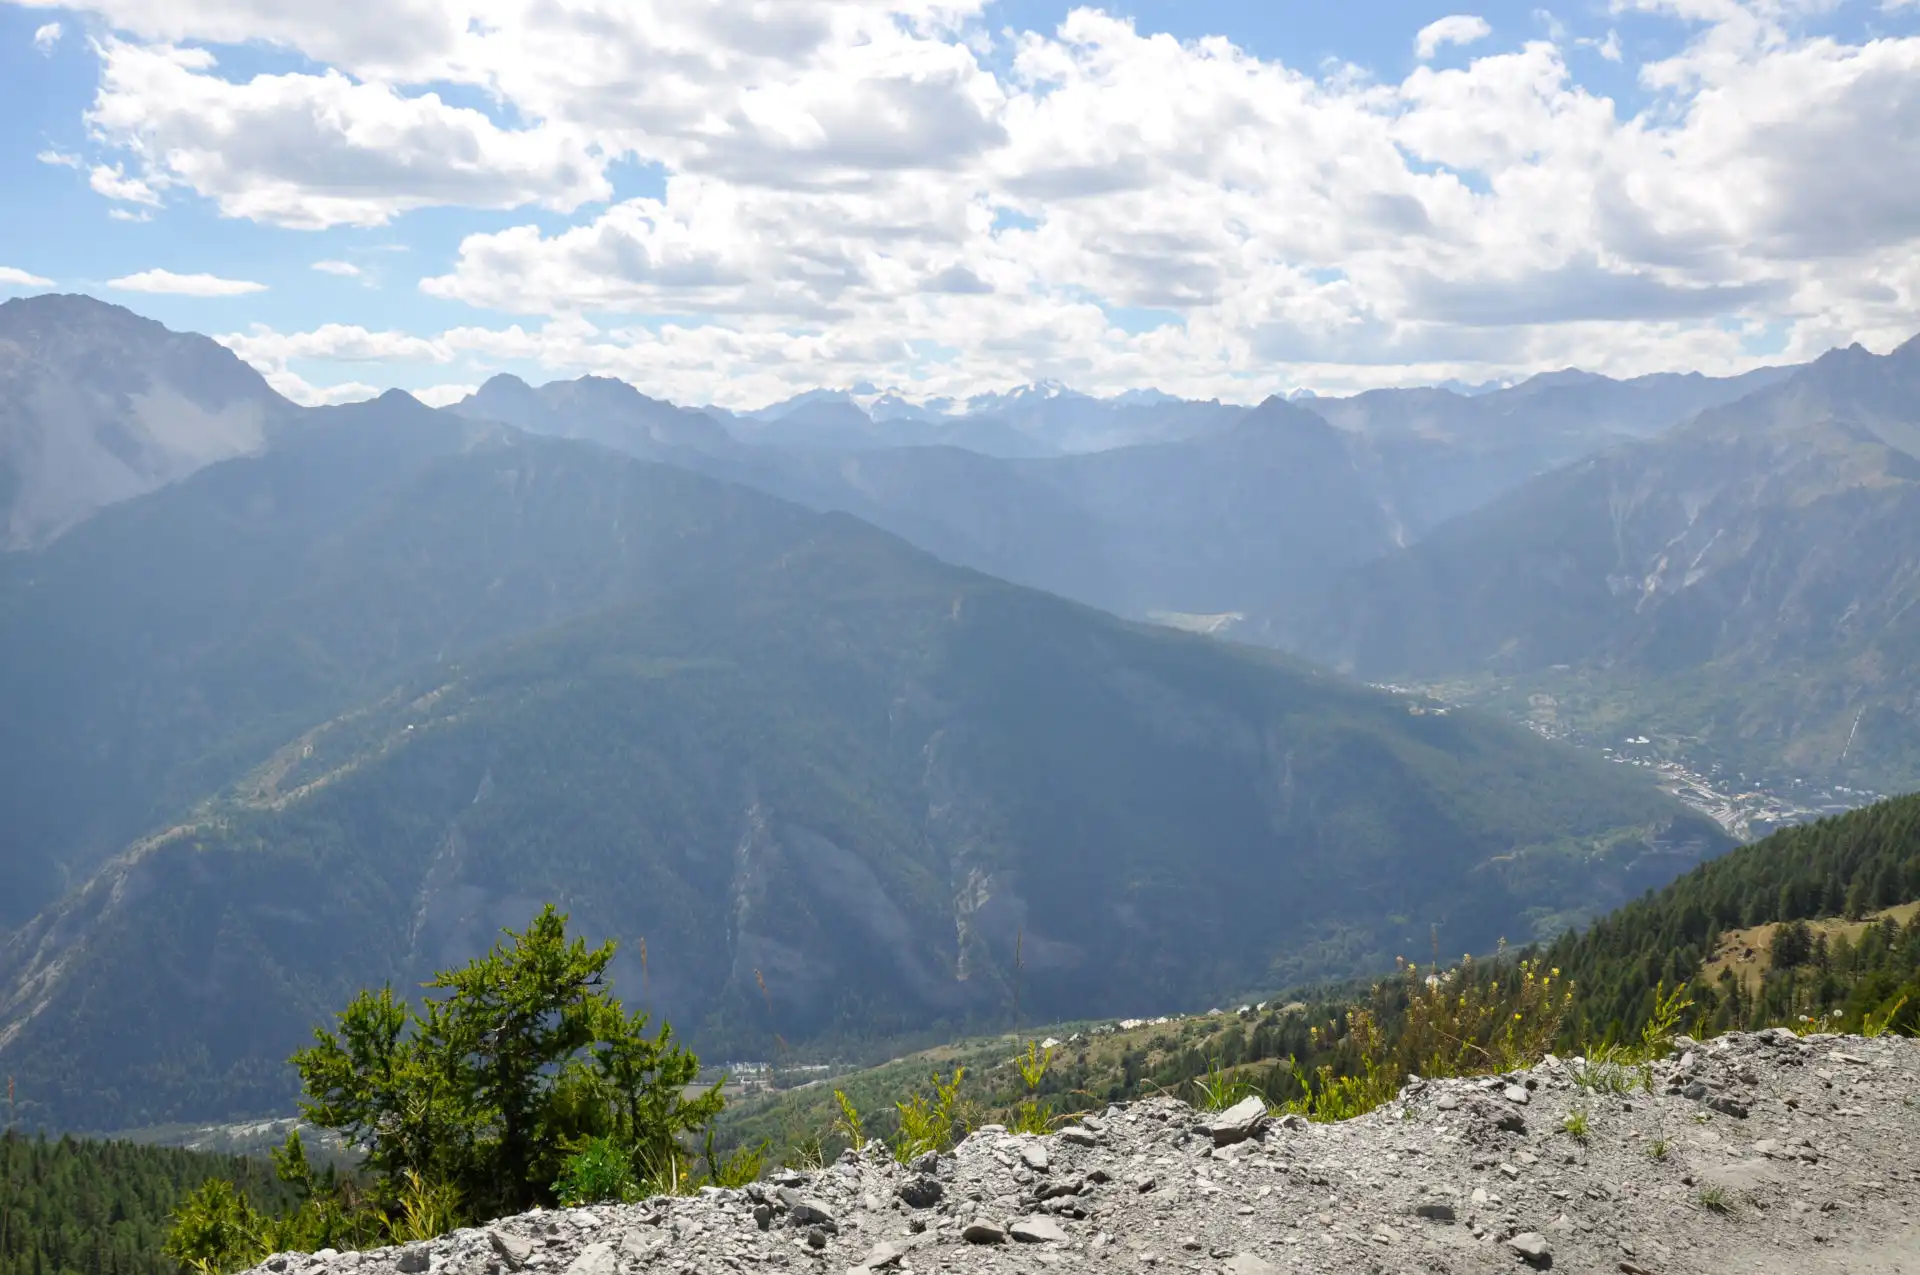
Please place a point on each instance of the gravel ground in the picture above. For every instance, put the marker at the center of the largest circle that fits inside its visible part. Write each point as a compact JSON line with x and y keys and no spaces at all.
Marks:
{"x":1762,"y":1152}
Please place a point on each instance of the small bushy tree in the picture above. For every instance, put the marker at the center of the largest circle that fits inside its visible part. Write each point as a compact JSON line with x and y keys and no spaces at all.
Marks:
{"x":518,"y":1081}
{"x":523,"y":1058}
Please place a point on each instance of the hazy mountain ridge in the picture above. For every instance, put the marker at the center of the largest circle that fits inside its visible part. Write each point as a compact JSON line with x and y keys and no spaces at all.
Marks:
{"x":1026,"y":422}
{"x":599,"y":409}
{"x":1172,"y":521}
{"x":1181,"y":521}
{"x":1757,"y":561}
{"x":1262,"y":514}
{"x":1439,"y":454}
{"x":1266,"y":507}
{"x":98,"y":405}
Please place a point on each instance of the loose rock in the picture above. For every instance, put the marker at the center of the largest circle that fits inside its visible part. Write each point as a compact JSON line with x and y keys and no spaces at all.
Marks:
{"x":513,"y":1250}
{"x":1532,"y":1248}
{"x":1037,"y":1230}
{"x":594,"y":1259}
{"x":1450,"y":1177}
{"x":981,"y":1231}
{"x":1238,"y":1122}
{"x":920,"y":1193}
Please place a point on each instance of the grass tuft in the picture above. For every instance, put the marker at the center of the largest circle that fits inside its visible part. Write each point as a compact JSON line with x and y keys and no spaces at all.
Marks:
{"x":1715,"y":1199}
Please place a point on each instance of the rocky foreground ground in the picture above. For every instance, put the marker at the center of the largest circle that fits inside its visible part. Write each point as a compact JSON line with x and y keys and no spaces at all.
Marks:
{"x":1764,"y":1152}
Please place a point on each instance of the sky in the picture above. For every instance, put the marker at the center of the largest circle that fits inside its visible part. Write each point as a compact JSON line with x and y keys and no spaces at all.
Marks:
{"x":730,"y":201}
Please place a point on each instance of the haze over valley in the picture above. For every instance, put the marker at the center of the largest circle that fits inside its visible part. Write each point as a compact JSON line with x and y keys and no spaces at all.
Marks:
{"x":399,"y":672}
{"x":888,"y":634}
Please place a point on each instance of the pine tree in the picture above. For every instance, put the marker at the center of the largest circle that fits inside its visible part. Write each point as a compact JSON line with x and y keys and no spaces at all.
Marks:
{"x":487,"y":1087}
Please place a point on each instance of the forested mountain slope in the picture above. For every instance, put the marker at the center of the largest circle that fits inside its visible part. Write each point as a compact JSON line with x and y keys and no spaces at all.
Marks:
{"x":1850,"y":865}
{"x":154,"y":654}
{"x":76,"y":1207}
{"x":776,"y":745}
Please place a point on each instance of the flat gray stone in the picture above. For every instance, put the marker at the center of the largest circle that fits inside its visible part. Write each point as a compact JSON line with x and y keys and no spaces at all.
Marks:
{"x":1239,"y":1122}
{"x":983,"y":1231}
{"x":1037,"y":1230}
{"x":806,"y":1210}
{"x":883,"y":1256}
{"x":1248,"y":1264}
{"x":1531,"y":1247}
{"x":595,"y":1259}
{"x":513,"y":1250}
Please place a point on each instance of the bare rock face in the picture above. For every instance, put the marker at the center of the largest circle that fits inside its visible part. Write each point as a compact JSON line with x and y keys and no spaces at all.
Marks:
{"x":98,"y":405}
{"x":1817,"y":1176}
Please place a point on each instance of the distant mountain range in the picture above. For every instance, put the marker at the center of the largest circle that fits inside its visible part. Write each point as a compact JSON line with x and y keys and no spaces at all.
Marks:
{"x":332,"y":711}
{"x":1252,"y":511}
{"x":1043,"y":419}
{"x":1267,"y":505}
{"x":1746,"y":580}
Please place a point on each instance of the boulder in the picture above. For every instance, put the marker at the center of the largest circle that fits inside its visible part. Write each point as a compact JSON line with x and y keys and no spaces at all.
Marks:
{"x":1239,"y":1122}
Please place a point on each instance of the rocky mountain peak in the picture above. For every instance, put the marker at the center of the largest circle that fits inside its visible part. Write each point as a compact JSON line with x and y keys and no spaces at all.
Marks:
{"x":98,"y":404}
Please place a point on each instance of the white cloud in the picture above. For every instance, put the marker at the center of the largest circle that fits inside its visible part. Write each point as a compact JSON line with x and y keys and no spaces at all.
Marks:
{"x":60,"y":159}
{"x":303,"y":392}
{"x":361,"y":35}
{"x":312,"y":151}
{"x":335,"y":342}
{"x":167,"y":283}
{"x":294,"y":387}
{"x":45,"y":38}
{"x":114,"y":183}
{"x":13,"y":277}
{"x":127,"y":214}
{"x":442,"y":395}
{"x":345,"y":269}
{"x":890,"y":189}
{"x":1455,"y":28}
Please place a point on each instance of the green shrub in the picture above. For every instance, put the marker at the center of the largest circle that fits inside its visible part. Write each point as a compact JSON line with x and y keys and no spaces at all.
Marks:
{"x":521,"y":1081}
{"x":928,"y":1125}
{"x":215,"y":1230}
{"x":1030,"y":1114}
{"x":1219,"y":1089}
{"x":600,"y":1171}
